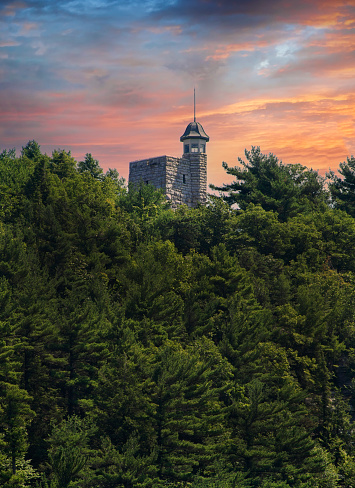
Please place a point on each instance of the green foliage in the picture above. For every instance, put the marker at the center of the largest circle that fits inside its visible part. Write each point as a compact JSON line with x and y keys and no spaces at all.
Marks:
{"x":188,"y":417}
{"x":24,"y":477}
{"x":90,"y":166}
{"x":144,"y":202}
{"x":263,"y":180}
{"x":32,"y":150}
{"x":342,"y":188}
{"x":143,"y":347}
{"x":69,"y":451}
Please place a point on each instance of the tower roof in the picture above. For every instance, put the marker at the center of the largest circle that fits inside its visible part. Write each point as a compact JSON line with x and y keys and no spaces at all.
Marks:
{"x":194,"y":131}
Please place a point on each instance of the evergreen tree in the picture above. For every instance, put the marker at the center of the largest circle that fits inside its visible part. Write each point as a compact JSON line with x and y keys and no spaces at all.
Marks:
{"x":342,"y":188}
{"x":15,"y":410}
{"x":69,"y":451}
{"x":90,"y":166}
{"x":211,"y":346}
{"x":32,"y":150}
{"x":188,"y":417}
{"x":286,"y":189}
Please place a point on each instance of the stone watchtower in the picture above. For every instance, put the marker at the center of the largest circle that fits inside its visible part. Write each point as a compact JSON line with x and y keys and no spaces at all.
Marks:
{"x":184,"y":180}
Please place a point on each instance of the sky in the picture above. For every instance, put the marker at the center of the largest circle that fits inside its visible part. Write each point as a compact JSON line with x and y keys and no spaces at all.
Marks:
{"x":115,"y":78}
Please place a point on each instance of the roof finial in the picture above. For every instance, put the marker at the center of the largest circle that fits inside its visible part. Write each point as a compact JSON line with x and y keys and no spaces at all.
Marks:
{"x":194,"y":106}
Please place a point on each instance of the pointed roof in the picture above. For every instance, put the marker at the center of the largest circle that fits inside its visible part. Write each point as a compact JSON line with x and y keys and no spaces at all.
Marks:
{"x":194,"y":131}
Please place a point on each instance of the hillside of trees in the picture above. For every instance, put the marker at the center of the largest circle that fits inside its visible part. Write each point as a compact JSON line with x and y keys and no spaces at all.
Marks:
{"x":142,"y":347}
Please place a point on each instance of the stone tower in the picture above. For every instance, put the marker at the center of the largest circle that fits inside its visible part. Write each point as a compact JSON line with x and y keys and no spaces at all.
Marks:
{"x":184,"y":180}
{"x":194,"y":142}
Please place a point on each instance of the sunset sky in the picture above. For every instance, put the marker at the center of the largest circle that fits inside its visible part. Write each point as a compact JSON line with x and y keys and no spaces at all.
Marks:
{"x":115,"y":78}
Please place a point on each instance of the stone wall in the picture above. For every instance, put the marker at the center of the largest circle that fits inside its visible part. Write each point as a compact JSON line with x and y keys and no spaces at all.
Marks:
{"x":198,"y":174}
{"x":178,"y":182}
{"x":184,"y":180}
{"x":151,"y":170}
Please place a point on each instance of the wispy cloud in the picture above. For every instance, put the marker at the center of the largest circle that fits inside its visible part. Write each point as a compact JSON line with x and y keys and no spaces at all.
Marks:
{"x":115,"y":77}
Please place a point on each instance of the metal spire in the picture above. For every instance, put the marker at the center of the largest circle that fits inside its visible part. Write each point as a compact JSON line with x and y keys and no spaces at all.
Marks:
{"x":194,"y":106}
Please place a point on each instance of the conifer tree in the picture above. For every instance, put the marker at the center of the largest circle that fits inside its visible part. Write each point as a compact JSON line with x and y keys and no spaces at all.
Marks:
{"x":188,"y":414}
{"x":342,"y":188}
{"x":286,"y":189}
{"x":69,"y":450}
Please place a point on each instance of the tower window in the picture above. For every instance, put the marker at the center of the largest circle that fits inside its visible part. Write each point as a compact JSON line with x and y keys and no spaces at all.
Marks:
{"x":186,"y":148}
{"x":184,"y":178}
{"x":202,"y":148}
{"x":194,"y":147}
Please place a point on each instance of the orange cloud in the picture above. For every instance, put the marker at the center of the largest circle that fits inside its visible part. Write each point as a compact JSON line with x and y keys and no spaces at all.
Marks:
{"x":223,"y":52}
{"x":335,"y":42}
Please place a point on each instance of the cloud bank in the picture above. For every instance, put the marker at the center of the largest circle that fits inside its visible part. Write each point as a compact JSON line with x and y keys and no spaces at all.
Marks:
{"x":116,"y":78}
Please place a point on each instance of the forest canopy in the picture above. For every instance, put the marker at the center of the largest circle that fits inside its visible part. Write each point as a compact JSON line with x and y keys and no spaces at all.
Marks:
{"x":202,"y":347}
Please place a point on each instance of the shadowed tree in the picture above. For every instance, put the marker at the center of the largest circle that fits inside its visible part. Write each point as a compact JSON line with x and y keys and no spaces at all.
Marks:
{"x":69,"y":450}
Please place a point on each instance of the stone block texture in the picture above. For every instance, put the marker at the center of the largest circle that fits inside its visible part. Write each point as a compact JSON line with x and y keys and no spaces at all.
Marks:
{"x":183,"y":180}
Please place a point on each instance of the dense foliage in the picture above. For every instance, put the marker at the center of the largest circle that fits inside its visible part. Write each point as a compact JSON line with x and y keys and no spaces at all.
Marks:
{"x":208,"y":347}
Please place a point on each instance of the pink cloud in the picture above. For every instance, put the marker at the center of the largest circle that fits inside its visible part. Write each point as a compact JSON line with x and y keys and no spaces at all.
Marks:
{"x":224,"y":51}
{"x":9,"y":43}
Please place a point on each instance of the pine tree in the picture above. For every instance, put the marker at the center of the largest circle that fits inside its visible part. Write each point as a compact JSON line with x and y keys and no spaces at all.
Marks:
{"x":342,"y":188}
{"x":69,"y":450}
{"x":188,"y":416}
{"x":286,"y":189}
